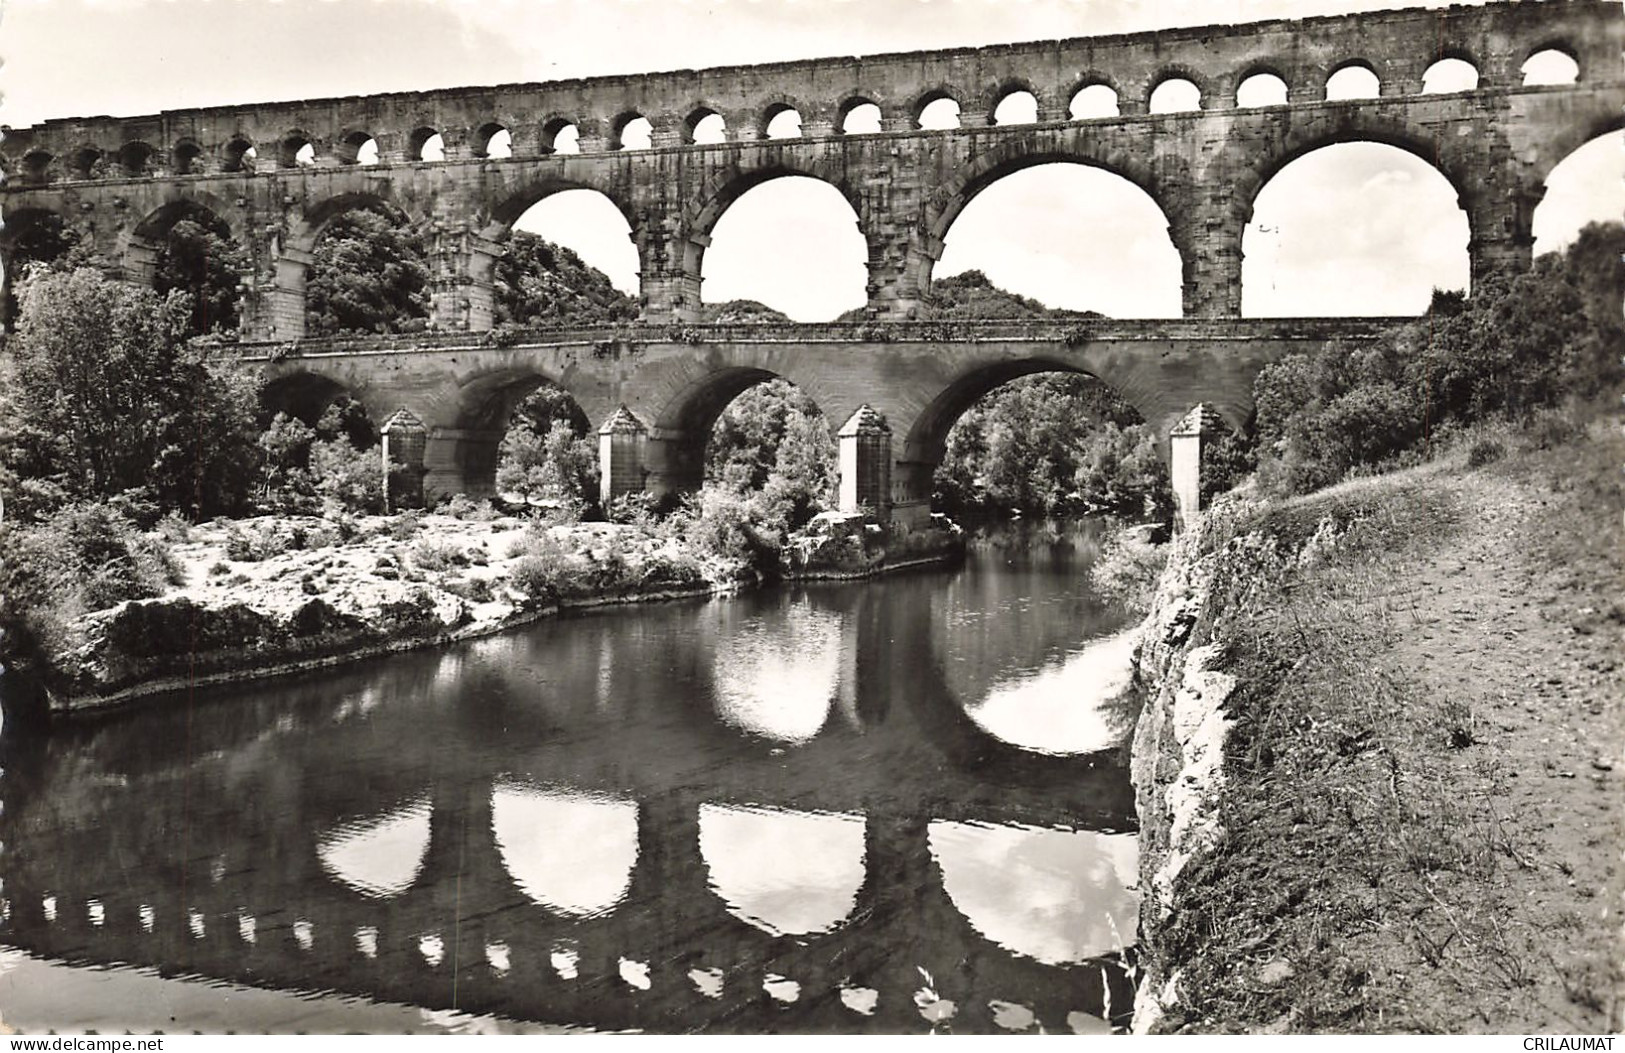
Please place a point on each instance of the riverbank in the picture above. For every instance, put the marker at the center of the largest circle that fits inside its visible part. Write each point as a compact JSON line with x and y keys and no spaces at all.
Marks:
{"x":1379,"y":769}
{"x":264,"y":597}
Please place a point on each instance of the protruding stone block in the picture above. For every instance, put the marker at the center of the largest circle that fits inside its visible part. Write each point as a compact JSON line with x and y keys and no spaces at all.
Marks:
{"x":621,"y":440}
{"x":1185,"y":442}
{"x":865,"y":463}
{"x":404,"y":441}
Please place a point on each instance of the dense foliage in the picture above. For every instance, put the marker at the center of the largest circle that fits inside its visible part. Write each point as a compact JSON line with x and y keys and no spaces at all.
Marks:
{"x":101,"y":393}
{"x":539,"y":283}
{"x":205,"y":264}
{"x":370,"y":275}
{"x":1517,"y":345}
{"x":334,"y":465}
{"x":1053,"y":444}
{"x":772,"y":442}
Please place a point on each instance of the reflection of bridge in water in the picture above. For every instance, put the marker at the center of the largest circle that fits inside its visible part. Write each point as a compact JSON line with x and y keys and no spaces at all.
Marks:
{"x":451,"y":836}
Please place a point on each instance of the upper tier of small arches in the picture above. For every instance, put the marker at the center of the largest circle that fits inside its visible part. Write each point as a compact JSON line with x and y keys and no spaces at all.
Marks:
{"x":1495,"y":47}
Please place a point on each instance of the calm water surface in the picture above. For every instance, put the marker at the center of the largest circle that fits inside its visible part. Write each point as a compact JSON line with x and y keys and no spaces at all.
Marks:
{"x":893,"y":806}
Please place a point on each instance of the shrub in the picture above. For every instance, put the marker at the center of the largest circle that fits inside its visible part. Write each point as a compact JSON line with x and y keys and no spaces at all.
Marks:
{"x":1484,"y":451}
{"x":435,"y":555}
{"x":1128,"y":569}
{"x":83,"y":558}
{"x":535,"y":577}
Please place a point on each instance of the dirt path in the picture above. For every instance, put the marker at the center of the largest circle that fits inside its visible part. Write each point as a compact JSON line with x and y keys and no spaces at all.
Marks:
{"x":1518,"y":616}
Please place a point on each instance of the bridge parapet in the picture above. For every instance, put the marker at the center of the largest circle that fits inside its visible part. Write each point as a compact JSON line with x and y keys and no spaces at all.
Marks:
{"x":1397,"y":45}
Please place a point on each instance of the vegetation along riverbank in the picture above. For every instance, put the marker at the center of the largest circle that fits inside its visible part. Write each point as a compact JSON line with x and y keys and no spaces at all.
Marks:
{"x":1379,"y":768}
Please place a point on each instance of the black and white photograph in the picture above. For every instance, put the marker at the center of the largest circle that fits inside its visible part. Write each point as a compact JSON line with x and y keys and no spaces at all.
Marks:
{"x":812,"y":517}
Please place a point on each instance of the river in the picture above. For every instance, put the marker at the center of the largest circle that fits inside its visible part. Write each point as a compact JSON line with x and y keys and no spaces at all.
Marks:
{"x":898,"y":805}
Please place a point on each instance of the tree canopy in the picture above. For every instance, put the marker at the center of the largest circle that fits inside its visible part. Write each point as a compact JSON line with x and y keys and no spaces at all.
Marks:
{"x":540,"y":283}
{"x":207,"y":265}
{"x":370,"y":275}
{"x":101,"y":393}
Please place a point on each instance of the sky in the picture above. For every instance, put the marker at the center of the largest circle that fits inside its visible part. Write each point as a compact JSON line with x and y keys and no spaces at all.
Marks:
{"x":1357,"y":230}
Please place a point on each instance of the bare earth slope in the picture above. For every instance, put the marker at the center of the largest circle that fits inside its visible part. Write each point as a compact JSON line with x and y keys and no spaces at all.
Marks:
{"x":1420,"y":815}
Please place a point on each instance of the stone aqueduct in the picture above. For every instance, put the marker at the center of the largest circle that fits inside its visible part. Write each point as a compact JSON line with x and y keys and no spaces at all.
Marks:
{"x":122,"y":182}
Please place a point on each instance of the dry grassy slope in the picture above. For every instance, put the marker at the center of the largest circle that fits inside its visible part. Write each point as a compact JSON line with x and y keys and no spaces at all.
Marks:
{"x":1423,"y":811}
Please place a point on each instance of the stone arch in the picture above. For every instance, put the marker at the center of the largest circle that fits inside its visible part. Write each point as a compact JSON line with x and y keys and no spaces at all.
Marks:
{"x":1554,"y":219}
{"x":680,"y":401}
{"x":305,"y":231}
{"x":931,"y":95}
{"x":134,"y":158}
{"x":1264,"y":67}
{"x":1092,"y":79}
{"x":305,"y":393}
{"x":985,"y":170}
{"x":480,"y":411}
{"x":35,"y":166}
{"x":691,"y":123}
{"x":417,"y":140}
{"x":186,"y":157}
{"x":554,"y":126}
{"x":1445,"y":60}
{"x":349,"y":145}
{"x":720,"y":192}
{"x":1007,"y":87}
{"x":926,"y":435}
{"x":480,"y":139}
{"x":1419,"y":221}
{"x":1351,"y":65}
{"x":290,"y":147}
{"x":141,"y":246}
{"x":618,"y":127}
{"x":24,"y":230}
{"x":780,"y":105}
{"x":238,"y":154}
{"x":1180,"y":71}
{"x":1254,"y":167}
{"x":503,"y":212}
{"x":850,"y":103}
{"x":1561,"y":45}
{"x":83,"y":162}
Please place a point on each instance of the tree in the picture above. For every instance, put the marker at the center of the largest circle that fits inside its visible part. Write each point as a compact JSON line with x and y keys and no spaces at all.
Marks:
{"x":206,"y":265}
{"x":539,"y":283}
{"x":102,"y":394}
{"x":370,"y":275}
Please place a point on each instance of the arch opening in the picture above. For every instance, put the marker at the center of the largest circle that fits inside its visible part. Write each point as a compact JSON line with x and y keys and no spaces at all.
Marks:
{"x":790,"y":243}
{"x":426,"y":144}
{"x":1175,"y":95}
{"x":187,"y":157}
{"x":358,"y":148}
{"x":937,"y":113}
{"x":134,"y":158}
{"x":1261,"y":89}
{"x":197,"y":255}
{"x":493,"y":141}
{"x":1093,"y":102}
{"x":1041,"y":439}
{"x":1582,"y":188}
{"x":239,"y":156}
{"x":319,"y":444}
{"x":1070,"y":236}
{"x":1017,"y":107}
{"x":783,"y":122}
{"x":1356,"y":228}
{"x":560,"y":136}
{"x":86,"y":163}
{"x":633,"y":132}
{"x":1551,"y":66}
{"x":295,"y":150}
{"x":547,"y":460}
{"x":369,"y":274}
{"x":569,"y":260}
{"x":1449,"y":75}
{"x":378,"y":857}
{"x":1353,"y":81}
{"x":705,"y":128}
{"x":36,"y":165}
{"x":859,"y":117}
{"x":29,"y":237}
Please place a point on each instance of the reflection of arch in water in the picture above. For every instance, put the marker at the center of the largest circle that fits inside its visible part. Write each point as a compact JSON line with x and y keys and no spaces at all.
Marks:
{"x":788,"y":873}
{"x":1057,"y":896}
{"x":378,"y":857}
{"x":568,"y":851}
{"x":1065,"y":708}
{"x":778,"y":677}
